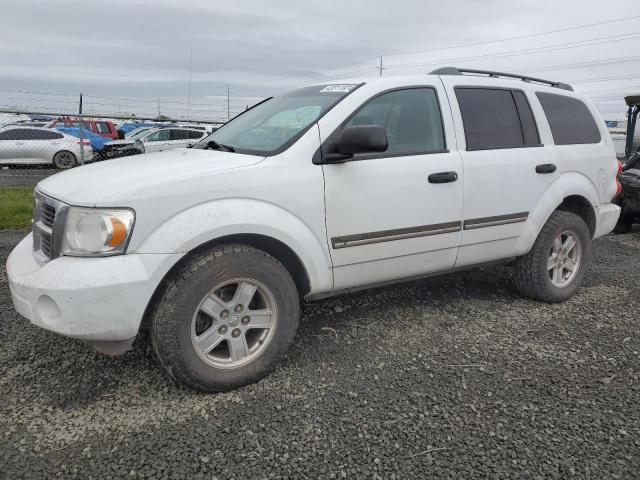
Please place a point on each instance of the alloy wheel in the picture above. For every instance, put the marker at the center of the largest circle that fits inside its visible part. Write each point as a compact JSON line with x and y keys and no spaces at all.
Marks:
{"x":234,"y":323}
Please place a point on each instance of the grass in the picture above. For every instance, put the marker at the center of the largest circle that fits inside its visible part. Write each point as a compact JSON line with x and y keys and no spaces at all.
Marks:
{"x":16,"y":207}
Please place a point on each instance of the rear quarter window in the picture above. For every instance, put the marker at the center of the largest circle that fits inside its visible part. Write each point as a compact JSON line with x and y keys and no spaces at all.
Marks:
{"x":570,"y":120}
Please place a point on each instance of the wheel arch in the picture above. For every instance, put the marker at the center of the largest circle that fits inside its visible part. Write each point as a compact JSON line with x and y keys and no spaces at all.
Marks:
{"x":583,"y":208}
{"x":572,"y":192}
{"x":274,"y":247}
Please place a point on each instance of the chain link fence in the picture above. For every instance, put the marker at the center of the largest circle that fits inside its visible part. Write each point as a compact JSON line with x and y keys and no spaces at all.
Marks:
{"x":35,"y":146}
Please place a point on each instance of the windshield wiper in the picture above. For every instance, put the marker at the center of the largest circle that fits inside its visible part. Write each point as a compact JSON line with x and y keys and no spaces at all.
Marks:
{"x":213,"y":145}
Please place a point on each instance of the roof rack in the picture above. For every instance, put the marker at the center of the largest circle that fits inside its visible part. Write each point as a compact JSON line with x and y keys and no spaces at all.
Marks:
{"x":462,"y":71}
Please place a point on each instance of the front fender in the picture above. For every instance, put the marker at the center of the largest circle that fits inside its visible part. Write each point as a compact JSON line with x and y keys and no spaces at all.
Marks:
{"x":567,"y":184}
{"x":205,"y":222}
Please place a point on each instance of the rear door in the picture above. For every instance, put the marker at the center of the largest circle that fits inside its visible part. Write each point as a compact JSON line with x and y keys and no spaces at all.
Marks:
{"x":506,"y":166}
{"x":195,"y":136}
{"x":41,"y":145}
{"x":179,"y":138}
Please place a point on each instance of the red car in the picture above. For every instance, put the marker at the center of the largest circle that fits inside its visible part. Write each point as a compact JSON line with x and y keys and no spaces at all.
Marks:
{"x":99,"y":127}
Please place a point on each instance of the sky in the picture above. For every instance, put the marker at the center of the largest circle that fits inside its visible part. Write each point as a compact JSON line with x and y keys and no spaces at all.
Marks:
{"x":178,"y":58}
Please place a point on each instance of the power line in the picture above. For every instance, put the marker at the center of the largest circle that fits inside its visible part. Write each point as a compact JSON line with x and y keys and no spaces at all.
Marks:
{"x":582,"y":64}
{"x":519,"y":37}
{"x":526,"y":51}
{"x":604,"y":79}
{"x":451,"y":47}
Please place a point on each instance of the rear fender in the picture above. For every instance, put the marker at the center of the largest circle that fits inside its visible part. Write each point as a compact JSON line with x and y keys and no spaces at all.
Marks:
{"x":568,"y":184}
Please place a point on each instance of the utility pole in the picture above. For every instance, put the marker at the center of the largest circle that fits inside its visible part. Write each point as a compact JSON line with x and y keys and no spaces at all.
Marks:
{"x":228,"y":108}
{"x":189,"y":88}
{"x":380,"y":68}
{"x":81,"y":125}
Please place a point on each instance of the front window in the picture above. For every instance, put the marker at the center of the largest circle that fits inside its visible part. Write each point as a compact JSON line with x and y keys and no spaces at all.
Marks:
{"x":275,"y":124}
{"x":139,"y":133}
{"x":159,"y":136}
{"x":410,"y":117}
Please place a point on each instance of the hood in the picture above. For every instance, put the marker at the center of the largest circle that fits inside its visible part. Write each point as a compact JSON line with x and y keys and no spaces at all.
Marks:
{"x":117,"y":143}
{"x":112,"y":182}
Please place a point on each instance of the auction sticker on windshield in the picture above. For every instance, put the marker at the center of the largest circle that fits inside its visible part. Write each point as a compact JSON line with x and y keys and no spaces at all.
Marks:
{"x":339,"y":88}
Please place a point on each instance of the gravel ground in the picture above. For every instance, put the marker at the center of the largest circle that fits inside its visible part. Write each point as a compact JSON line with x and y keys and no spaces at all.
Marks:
{"x":450,"y":377}
{"x":24,"y":177}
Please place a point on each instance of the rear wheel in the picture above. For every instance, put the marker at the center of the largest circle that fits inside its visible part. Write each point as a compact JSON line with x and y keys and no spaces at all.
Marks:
{"x":64,"y":160}
{"x":225,"y":319}
{"x":555,"y":266}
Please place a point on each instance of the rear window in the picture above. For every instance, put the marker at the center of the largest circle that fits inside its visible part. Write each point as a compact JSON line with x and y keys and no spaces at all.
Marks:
{"x":195,"y":134}
{"x":179,"y":134}
{"x":570,"y":120}
{"x":496,"y":118}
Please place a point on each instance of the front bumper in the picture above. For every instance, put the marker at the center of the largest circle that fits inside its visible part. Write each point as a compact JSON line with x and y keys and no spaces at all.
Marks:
{"x":606,"y":218}
{"x":93,"y":299}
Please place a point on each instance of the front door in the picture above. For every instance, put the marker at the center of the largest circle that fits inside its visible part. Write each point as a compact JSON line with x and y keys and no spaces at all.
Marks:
{"x":157,"y":141}
{"x":396,"y":214}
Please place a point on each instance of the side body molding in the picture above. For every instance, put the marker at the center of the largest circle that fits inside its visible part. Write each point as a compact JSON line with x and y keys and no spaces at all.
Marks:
{"x":208,"y":221}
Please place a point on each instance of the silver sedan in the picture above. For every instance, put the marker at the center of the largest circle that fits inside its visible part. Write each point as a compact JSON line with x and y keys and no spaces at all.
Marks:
{"x":37,"y":146}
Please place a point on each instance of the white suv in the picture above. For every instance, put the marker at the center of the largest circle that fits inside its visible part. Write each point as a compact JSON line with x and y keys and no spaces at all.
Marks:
{"x":325,"y":189}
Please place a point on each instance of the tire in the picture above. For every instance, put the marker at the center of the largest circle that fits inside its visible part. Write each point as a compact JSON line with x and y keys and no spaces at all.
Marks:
{"x":186,"y":316}
{"x":533,"y":276}
{"x":64,"y":160}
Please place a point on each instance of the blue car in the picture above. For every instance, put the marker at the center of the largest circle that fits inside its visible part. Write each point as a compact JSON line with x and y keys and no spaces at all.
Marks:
{"x":97,"y":141}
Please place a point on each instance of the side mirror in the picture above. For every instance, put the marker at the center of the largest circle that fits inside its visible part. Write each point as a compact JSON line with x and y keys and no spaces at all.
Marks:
{"x":358,"y":139}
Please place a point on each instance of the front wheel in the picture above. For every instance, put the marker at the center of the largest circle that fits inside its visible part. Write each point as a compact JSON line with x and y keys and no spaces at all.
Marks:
{"x":225,"y":319}
{"x":555,"y":266}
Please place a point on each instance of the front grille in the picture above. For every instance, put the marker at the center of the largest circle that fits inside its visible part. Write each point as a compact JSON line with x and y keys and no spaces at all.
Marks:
{"x":46,"y":212}
{"x":45,"y":244}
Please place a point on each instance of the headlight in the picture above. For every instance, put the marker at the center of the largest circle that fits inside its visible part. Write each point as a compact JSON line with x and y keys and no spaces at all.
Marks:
{"x":96,"y":232}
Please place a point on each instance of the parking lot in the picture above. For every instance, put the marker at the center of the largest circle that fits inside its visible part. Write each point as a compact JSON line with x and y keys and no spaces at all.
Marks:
{"x":450,"y":377}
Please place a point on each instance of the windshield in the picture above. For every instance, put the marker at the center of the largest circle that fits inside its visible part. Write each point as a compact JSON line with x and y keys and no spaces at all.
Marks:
{"x":275,"y":124}
{"x":138,"y":133}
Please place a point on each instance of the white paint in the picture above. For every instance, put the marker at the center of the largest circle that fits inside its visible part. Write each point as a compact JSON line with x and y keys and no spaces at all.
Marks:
{"x":184,"y":198}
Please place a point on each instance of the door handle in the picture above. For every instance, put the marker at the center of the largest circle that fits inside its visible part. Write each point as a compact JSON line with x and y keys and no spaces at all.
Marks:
{"x":443,"y":177}
{"x":545,"y":168}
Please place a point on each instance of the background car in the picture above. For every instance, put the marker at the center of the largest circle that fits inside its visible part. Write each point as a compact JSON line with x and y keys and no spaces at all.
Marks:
{"x":169,"y":138}
{"x":30,"y":145}
{"x":99,"y":127}
{"x":153,"y":140}
{"x":126,"y":146}
{"x":126,"y":128}
{"x":97,"y":141}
